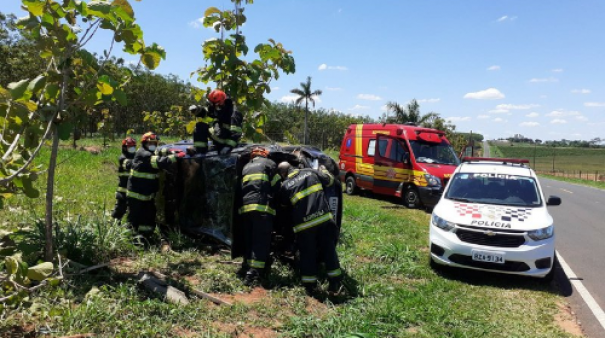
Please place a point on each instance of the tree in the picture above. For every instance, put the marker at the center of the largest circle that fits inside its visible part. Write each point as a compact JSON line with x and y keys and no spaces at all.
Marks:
{"x":245,"y":81}
{"x":73,"y":81}
{"x":409,"y":114}
{"x":305,"y":93}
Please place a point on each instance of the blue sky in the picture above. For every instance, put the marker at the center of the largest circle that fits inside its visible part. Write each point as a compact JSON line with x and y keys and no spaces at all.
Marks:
{"x":500,"y":68}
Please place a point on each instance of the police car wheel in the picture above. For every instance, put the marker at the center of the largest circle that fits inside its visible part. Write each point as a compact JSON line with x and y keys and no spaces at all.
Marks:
{"x":350,"y":185}
{"x":411,"y":198}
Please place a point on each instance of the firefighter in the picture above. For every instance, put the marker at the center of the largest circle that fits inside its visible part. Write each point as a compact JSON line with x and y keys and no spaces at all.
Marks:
{"x":227,"y":128}
{"x":202,"y":121}
{"x":313,"y":225}
{"x":260,"y":182}
{"x":143,"y":185}
{"x":129,"y":147}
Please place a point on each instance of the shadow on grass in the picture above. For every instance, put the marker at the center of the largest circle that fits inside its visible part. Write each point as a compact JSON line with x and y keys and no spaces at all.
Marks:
{"x":505,"y":281}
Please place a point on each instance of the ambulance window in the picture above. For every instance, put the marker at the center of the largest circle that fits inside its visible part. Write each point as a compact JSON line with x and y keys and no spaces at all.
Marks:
{"x":371,"y":147}
{"x":382,"y":147}
{"x":397,"y":151}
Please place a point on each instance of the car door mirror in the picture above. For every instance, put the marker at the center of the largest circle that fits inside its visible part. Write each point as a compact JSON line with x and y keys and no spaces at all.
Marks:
{"x":553,"y":200}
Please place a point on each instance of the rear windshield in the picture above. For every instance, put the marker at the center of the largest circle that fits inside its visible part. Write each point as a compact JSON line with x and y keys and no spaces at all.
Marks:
{"x":494,"y":189}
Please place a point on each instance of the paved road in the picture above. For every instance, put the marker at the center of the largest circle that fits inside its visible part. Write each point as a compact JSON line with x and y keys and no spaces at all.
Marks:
{"x":580,"y":231}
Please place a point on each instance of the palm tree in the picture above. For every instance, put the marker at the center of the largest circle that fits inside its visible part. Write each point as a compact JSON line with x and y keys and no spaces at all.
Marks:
{"x":411,"y":113}
{"x":305,"y":93}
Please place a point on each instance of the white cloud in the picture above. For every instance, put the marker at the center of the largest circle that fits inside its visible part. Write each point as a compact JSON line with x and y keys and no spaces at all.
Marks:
{"x":594,"y":104}
{"x":506,"y":18}
{"x":428,"y":100}
{"x":558,"y":121}
{"x":503,"y":18}
{"x":516,"y":106}
{"x":369,"y":97}
{"x":498,"y":111}
{"x":488,"y":94}
{"x":582,"y":118}
{"x":529,"y":124}
{"x":533,"y":114}
{"x":548,"y":79}
{"x":557,"y":70}
{"x":333,"y":89}
{"x":197,"y":23}
{"x":499,"y":120}
{"x":483,"y":117}
{"x":543,"y":96}
{"x":359,"y":107}
{"x":494,"y":67}
{"x":580,"y":91}
{"x":458,"y":118}
{"x":274,"y":88}
{"x":324,"y":66}
{"x":288,"y":98}
{"x":562,"y":112}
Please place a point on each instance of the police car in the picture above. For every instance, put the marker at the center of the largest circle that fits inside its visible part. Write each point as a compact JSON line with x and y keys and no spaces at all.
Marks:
{"x":493,"y":217}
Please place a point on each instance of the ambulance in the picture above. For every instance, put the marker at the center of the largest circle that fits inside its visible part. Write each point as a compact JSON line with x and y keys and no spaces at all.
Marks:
{"x":402,"y":160}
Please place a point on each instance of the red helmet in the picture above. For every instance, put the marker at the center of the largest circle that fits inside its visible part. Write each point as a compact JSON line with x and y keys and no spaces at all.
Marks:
{"x":149,"y":136}
{"x":129,"y":142}
{"x":217,"y":96}
{"x":259,"y":151}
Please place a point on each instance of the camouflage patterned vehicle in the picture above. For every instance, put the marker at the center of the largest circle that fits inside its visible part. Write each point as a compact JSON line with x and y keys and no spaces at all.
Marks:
{"x":201,"y":195}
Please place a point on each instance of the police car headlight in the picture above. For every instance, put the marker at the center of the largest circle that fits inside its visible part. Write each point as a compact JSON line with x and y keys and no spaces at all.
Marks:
{"x":433,"y":181}
{"x":540,"y":234}
{"x":441,"y":223}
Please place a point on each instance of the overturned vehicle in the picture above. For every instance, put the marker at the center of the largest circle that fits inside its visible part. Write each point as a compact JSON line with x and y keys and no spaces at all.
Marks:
{"x":201,"y":196}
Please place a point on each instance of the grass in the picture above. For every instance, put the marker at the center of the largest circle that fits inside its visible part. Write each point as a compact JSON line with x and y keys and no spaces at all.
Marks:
{"x":383,"y":250}
{"x":600,"y":185}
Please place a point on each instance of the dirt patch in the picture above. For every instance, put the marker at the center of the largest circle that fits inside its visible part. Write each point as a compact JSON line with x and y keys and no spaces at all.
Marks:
{"x":316,"y":307}
{"x":567,"y":320}
{"x":184,"y":333}
{"x":27,"y":331}
{"x":245,"y":331}
{"x":95,"y":150}
{"x":363,"y":259}
{"x":257,"y":295}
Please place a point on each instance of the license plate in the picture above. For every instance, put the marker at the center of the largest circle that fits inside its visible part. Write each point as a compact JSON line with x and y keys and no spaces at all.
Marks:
{"x":488,"y":256}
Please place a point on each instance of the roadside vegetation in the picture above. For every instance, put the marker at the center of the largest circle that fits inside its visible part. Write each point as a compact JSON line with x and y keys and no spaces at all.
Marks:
{"x":383,"y":248}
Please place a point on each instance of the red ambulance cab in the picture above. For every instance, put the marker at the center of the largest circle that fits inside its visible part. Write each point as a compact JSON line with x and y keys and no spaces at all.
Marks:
{"x":400,"y":160}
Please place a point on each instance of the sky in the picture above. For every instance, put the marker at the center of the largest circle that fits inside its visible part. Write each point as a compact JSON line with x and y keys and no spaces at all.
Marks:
{"x":495,"y":67}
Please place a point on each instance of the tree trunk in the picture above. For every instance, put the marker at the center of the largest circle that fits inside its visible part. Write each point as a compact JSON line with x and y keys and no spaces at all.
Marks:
{"x":50,"y":186}
{"x":306,"y":118}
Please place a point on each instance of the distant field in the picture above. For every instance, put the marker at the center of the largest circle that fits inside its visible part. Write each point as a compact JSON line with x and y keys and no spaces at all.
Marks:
{"x":567,"y":159}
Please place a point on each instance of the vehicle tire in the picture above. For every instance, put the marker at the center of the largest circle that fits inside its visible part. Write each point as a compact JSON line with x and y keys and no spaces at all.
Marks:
{"x":350,"y":185}
{"x":411,"y":198}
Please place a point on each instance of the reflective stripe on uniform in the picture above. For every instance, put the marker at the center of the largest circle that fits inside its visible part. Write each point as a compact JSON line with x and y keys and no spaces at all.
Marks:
{"x":302,"y":194}
{"x":230,"y":142}
{"x":256,"y":207}
{"x":313,"y":222}
{"x":139,"y":174}
{"x":154,"y":162}
{"x":257,"y":264}
{"x":308,"y":279}
{"x":124,"y":174}
{"x":335,"y":273}
{"x":171,"y":158}
{"x":125,"y":164}
{"x":236,"y":129}
{"x":276,"y":179}
{"x":120,"y":189}
{"x":200,"y":144}
{"x":255,"y":177}
{"x":146,"y":228}
{"x":225,"y":125}
{"x":206,"y":120}
{"x":138,"y":196}
{"x":294,"y":173}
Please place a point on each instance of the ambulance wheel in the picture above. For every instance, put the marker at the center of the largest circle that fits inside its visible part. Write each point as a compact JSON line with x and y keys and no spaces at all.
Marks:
{"x":350,"y":185}
{"x":411,"y":198}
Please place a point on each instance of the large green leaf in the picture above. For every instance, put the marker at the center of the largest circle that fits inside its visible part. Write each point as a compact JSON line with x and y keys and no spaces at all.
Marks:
{"x":65,"y":129}
{"x":211,"y":10}
{"x":105,"y":88}
{"x":120,"y":97}
{"x":36,"y":7}
{"x":29,"y":189}
{"x":12,"y":263}
{"x":151,"y":60}
{"x":36,"y":84}
{"x":125,"y":6}
{"x":40,"y":272}
{"x":19,"y":90}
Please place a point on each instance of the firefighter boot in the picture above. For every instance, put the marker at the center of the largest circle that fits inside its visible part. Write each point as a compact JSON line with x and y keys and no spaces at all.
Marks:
{"x":335,"y":288}
{"x":252,"y":277}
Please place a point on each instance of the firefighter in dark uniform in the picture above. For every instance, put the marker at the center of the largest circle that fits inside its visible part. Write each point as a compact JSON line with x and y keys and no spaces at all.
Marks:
{"x":227,"y":127}
{"x":203,"y":119}
{"x":129,"y":147}
{"x":143,"y":185}
{"x":260,"y":183}
{"x":313,"y":224}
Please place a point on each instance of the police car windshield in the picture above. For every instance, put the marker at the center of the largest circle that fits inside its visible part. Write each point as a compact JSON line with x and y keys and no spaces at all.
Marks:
{"x":492,"y":188}
{"x":439,"y":153}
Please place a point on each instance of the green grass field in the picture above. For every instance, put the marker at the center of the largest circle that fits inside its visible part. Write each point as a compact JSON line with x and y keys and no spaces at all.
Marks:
{"x":383,"y":248}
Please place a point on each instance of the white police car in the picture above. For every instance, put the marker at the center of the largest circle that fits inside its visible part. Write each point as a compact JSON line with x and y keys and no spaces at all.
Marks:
{"x":493,"y":217}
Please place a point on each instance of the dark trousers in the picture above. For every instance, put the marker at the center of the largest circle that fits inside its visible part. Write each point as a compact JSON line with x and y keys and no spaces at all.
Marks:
{"x":258,"y":227}
{"x":119,"y":210}
{"x":141,"y":215}
{"x":318,"y":241}
{"x":200,"y":134}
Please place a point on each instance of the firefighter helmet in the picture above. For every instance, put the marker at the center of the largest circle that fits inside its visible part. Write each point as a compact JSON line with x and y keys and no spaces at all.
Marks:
{"x":259,"y":151}
{"x":149,"y":136}
{"x":129,"y":142}
{"x":217,"y":96}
